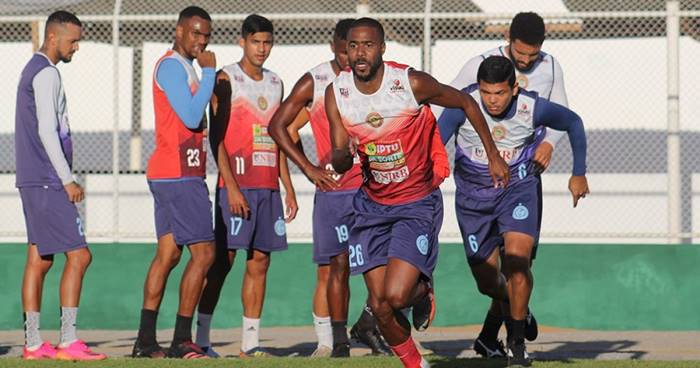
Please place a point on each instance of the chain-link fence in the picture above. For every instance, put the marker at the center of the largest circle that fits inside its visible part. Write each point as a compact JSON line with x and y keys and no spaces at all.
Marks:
{"x":623,"y":71}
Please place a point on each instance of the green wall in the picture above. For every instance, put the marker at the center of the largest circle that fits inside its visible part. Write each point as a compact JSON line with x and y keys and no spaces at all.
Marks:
{"x":608,"y":287}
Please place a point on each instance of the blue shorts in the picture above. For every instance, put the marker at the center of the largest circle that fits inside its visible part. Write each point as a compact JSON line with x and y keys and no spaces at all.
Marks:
{"x":482,"y":222}
{"x":52,"y":220}
{"x":265,"y":230}
{"x":332,"y":220}
{"x":183,"y":208}
{"x":408,"y":232}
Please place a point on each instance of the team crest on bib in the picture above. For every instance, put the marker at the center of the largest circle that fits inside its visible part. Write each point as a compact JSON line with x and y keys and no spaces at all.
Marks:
{"x":280,"y":227}
{"x":262,"y":103}
{"x":422,"y":244}
{"x":522,"y":81}
{"x":374,"y":119}
{"x":520,"y":212}
{"x":498,"y":132}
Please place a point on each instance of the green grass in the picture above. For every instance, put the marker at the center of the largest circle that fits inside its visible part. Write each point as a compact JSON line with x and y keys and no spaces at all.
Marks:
{"x":358,"y":362}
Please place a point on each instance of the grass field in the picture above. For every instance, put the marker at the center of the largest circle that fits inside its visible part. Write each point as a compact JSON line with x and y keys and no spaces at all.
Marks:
{"x":357,"y":362}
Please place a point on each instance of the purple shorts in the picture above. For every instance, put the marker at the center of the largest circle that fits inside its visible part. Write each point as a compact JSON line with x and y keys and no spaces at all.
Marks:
{"x":183,"y":208}
{"x":53,"y":223}
{"x":265,"y":230}
{"x":483,"y":222}
{"x":332,"y":220}
{"x":408,"y":232}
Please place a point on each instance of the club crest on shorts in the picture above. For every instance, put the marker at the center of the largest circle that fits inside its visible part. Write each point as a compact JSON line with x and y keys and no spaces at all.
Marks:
{"x":262,"y":103}
{"x":422,"y":244}
{"x":280,"y":227}
{"x":520,"y":212}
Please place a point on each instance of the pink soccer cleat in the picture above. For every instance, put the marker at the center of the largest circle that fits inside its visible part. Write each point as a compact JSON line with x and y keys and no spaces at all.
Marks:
{"x":45,"y":351}
{"x":78,"y":351}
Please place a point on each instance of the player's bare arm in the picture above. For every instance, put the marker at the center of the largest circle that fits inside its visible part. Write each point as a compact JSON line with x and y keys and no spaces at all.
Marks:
{"x":290,"y":199}
{"x":301,"y":95}
{"x":220,"y":109}
{"x":342,"y":157}
{"x":427,"y":89}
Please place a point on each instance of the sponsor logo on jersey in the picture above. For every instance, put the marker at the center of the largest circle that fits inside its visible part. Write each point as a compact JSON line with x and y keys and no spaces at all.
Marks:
{"x":321,"y":77}
{"x":396,"y":86}
{"x":262,"y":103}
{"x":238,"y":78}
{"x":524,"y":112}
{"x":387,"y":161}
{"x":344,"y":92}
{"x":267,"y":159}
{"x":374,"y":119}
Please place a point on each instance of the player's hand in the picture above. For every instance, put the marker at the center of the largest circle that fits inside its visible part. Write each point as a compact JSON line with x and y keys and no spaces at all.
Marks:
{"x":291,"y":207}
{"x":323,"y":179}
{"x":237,"y":204}
{"x":543,"y":156}
{"x":206,"y":59}
{"x":353,"y":142}
{"x":75,"y":192}
{"x":499,"y":171}
{"x":578,"y":186}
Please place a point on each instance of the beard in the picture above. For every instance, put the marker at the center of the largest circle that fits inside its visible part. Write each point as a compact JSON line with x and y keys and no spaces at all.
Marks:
{"x":373,"y":68}
{"x":517,"y":67}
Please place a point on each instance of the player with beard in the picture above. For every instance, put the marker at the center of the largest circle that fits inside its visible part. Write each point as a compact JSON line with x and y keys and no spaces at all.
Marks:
{"x":380,"y":109}
{"x":539,"y":72}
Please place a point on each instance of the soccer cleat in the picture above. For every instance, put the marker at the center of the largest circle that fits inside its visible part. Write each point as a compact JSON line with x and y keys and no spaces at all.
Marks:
{"x":78,"y":351}
{"x":370,"y":337}
{"x":530,"y":326}
{"x":424,"y":311}
{"x":489,"y":349}
{"x":186,"y":350}
{"x":147,"y":351}
{"x":209,"y":351}
{"x":322,"y":351}
{"x":256,"y":352}
{"x":44,"y":351}
{"x":517,"y":355}
{"x":341,"y":350}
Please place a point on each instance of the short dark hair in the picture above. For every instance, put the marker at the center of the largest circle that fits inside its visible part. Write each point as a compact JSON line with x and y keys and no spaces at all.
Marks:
{"x":496,"y":69}
{"x":255,"y":23}
{"x":368,"y":22}
{"x":193,"y":11}
{"x":62,"y":17}
{"x":528,"y":28}
{"x":341,"y":29}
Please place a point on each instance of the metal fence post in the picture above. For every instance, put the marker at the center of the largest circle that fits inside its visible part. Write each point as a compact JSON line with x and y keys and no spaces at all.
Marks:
{"x":673,"y":134}
{"x":115,"y":132}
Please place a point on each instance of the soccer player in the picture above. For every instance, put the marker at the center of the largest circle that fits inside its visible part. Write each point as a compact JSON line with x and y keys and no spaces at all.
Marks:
{"x":332,"y":215}
{"x":539,"y":72}
{"x":44,"y":159}
{"x":175,"y":176}
{"x":245,"y":98}
{"x":487,"y":215}
{"x":380,"y":108}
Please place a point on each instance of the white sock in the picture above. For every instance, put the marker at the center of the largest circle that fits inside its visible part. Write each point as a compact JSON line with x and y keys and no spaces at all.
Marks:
{"x":250,"y":338}
{"x":32,"y":337}
{"x":424,"y":363}
{"x":69,"y":315}
{"x":324,"y":332}
{"x":203,"y":328}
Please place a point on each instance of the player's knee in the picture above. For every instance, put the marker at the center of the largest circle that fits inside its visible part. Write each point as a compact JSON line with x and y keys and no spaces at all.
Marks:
{"x":396,"y":298}
{"x":380,"y":308}
{"x":204,"y":257}
{"x":80,"y":258}
{"x":167,"y":260}
{"x":39,"y":264}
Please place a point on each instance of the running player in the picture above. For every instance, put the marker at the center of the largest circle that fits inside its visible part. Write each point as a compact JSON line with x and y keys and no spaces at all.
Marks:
{"x":175,"y":175}
{"x":488,"y":216}
{"x":44,"y":159}
{"x":381,"y":109}
{"x":539,"y":72}
{"x":332,"y":215}
{"x":246,"y":97}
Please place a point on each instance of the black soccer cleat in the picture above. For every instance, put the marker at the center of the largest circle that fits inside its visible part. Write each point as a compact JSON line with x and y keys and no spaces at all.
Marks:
{"x":424,"y":311}
{"x":370,"y":337}
{"x":517,"y":355}
{"x":489,"y":349}
{"x":147,"y":351}
{"x":341,"y":350}
{"x":531,"y":330}
{"x":186,"y":350}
